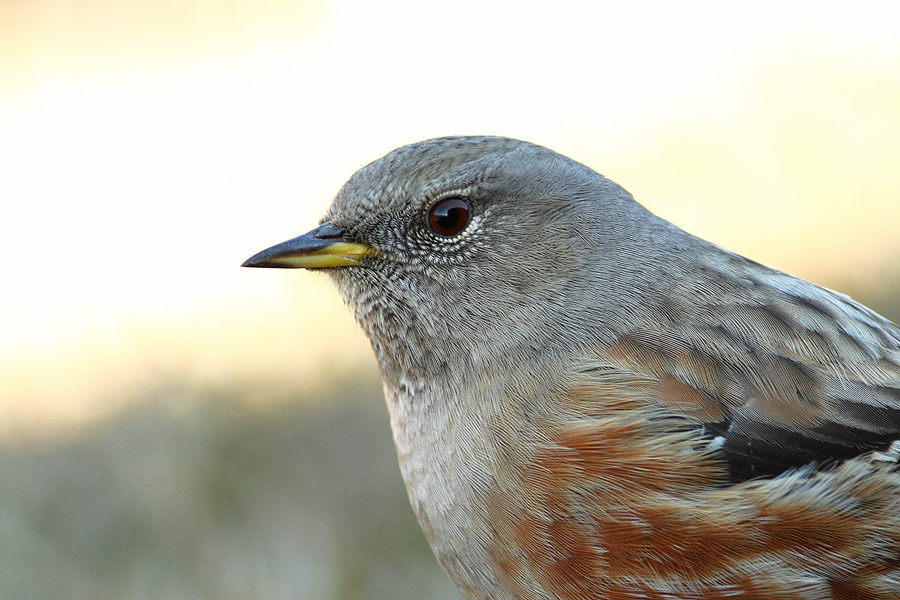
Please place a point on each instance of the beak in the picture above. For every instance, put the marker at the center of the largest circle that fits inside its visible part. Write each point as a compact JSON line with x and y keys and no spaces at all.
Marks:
{"x":325,"y":247}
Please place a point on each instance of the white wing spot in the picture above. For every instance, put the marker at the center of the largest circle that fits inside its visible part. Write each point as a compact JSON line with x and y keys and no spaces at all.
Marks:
{"x":892,"y":454}
{"x":719,"y":441}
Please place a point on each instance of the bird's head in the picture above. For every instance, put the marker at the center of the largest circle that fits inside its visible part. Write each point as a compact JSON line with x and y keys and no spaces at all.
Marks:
{"x":471,"y":246}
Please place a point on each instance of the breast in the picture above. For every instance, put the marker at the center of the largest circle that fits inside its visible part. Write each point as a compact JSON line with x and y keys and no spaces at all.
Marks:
{"x":445,"y":459}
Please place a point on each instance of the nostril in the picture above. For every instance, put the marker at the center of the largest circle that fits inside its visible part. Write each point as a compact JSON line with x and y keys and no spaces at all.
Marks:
{"x":328,"y":231}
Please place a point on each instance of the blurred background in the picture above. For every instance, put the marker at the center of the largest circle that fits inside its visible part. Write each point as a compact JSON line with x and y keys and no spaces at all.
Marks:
{"x":172,"y":426}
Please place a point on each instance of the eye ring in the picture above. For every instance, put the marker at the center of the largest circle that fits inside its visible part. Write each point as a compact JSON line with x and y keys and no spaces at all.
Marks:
{"x":449,"y":216}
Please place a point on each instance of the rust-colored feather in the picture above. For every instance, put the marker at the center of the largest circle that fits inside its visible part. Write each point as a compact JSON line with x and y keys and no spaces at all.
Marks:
{"x":615,"y":502}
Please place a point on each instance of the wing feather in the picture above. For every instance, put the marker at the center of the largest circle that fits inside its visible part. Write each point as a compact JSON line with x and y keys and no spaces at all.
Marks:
{"x":787,"y":372}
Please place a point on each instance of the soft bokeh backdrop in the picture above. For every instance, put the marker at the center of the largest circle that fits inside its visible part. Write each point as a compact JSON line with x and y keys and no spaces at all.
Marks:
{"x":172,"y":426}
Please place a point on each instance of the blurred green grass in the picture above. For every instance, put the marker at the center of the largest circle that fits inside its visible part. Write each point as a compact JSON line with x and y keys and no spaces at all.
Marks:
{"x":198,"y":493}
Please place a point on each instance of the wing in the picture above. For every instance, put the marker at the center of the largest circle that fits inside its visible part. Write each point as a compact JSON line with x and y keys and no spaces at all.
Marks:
{"x":779,"y":372}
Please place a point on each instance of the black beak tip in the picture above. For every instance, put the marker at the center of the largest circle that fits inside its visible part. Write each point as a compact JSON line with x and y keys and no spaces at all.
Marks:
{"x":253,"y":261}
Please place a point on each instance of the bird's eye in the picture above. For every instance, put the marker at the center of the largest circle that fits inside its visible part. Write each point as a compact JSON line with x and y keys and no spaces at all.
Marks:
{"x":449,"y":216}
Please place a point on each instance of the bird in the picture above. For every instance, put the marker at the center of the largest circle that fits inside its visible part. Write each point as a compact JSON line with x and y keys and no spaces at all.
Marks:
{"x":588,"y":402}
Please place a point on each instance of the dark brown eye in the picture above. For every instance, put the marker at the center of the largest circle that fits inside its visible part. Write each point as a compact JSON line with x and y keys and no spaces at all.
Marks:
{"x":449,"y":216}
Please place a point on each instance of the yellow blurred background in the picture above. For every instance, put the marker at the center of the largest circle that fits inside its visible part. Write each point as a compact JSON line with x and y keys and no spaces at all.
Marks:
{"x":148,"y":148}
